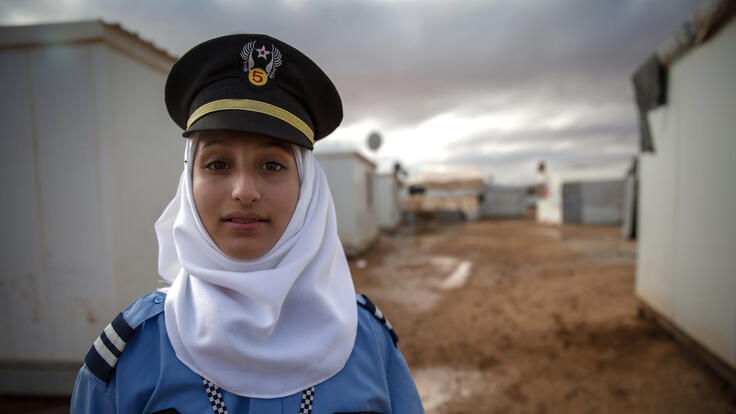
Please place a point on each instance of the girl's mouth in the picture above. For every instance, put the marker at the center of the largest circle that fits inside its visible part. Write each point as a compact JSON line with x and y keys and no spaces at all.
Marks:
{"x":236,"y":220}
{"x":242,"y":217}
{"x":244,"y":225}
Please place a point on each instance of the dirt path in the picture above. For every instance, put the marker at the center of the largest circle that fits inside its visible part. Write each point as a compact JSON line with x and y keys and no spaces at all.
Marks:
{"x":512,"y":316}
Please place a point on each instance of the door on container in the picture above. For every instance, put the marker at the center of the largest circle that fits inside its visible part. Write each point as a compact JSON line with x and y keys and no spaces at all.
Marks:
{"x":572,"y":203}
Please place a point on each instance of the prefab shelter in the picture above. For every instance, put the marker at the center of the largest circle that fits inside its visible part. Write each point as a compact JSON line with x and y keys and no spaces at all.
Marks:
{"x":389,"y":205}
{"x":504,"y":201}
{"x":89,"y":160}
{"x":592,"y":202}
{"x":575,"y":197}
{"x":686,"y":268}
{"x":455,"y":194}
{"x":351,"y":177}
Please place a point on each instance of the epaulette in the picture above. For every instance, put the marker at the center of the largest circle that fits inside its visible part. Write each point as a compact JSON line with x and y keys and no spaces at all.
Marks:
{"x":107,"y":348}
{"x":373,"y":309}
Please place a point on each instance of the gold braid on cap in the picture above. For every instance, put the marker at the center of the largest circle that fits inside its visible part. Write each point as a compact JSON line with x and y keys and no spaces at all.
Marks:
{"x":252,"y":106}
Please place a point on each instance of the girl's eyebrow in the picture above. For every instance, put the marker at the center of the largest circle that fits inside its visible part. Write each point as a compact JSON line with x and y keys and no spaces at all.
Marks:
{"x":268,"y":144}
{"x":213,"y":141}
{"x":276,"y":144}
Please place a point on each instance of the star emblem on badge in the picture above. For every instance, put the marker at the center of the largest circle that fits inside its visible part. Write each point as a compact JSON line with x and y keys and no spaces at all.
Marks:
{"x":263,"y":53}
{"x":259,"y":74}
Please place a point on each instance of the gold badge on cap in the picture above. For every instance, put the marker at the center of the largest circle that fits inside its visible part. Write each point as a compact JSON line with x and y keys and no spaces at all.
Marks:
{"x":260,"y":64}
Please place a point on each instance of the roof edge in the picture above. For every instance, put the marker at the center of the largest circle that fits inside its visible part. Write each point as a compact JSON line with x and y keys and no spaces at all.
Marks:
{"x":705,"y":22}
{"x":86,"y":31}
{"x":345,"y":155}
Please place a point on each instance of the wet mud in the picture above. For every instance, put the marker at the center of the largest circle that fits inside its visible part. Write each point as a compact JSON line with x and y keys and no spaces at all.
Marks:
{"x":518,"y":317}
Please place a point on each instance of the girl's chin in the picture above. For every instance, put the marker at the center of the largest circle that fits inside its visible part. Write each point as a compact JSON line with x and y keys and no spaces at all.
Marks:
{"x":241,"y":251}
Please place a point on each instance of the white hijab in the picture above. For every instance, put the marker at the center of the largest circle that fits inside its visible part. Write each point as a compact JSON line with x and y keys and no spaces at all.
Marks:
{"x":262,"y":328}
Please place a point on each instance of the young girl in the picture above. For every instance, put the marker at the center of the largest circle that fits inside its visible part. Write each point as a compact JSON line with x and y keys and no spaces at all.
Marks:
{"x":261,"y":315}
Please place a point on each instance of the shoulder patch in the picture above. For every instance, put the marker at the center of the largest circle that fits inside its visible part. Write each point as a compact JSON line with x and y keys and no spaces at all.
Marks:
{"x":107,"y":348}
{"x":104,"y":353}
{"x":373,"y":309}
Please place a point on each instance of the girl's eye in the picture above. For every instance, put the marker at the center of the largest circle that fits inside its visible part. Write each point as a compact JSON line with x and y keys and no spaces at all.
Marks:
{"x":216,"y":165}
{"x":273,"y":166}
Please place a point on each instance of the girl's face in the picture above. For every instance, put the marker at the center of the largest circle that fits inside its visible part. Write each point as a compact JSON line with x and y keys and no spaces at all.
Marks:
{"x":246,"y":187}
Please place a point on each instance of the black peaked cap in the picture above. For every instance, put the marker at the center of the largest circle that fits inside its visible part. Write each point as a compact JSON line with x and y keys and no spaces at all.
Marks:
{"x":252,"y":83}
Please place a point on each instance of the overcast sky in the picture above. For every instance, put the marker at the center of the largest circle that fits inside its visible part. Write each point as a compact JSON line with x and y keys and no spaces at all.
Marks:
{"x":493,"y":86}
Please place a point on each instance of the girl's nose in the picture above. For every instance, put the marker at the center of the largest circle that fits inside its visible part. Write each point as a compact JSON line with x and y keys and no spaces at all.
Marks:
{"x":245,"y":188}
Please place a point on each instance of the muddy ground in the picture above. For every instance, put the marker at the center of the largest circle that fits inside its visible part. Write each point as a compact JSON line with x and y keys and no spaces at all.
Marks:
{"x":517,"y":317}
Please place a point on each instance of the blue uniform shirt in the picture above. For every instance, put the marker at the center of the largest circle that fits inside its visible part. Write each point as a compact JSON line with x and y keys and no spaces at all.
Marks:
{"x":136,"y":371}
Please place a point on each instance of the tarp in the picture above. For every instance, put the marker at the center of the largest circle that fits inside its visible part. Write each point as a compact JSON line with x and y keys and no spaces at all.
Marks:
{"x":650,"y":79}
{"x":650,"y":87}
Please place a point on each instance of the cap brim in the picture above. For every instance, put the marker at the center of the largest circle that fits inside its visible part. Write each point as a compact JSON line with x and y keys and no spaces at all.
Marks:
{"x":252,"y":122}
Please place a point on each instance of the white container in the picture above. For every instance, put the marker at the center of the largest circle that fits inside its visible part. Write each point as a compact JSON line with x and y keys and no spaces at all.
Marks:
{"x":686,"y":268}
{"x":352,"y":178}
{"x":388,"y":201}
{"x":90,"y":158}
{"x":581,"y":197}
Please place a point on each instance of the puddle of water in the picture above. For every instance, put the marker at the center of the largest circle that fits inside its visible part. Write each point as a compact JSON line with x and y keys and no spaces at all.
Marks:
{"x":443,"y":263}
{"x":551,"y":232}
{"x":417,"y":273}
{"x":605,"y":250}
{"x":425,"y":276}
{"x":458,"y":278}
{"x":439,"y":385}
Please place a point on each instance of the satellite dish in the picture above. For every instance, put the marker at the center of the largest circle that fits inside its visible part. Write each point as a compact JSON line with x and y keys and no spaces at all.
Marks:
{"x":374,"y":141}
{"x":541,"y":167}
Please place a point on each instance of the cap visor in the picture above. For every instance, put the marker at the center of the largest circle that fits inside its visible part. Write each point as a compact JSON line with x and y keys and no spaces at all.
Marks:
{"x":253,"y":122}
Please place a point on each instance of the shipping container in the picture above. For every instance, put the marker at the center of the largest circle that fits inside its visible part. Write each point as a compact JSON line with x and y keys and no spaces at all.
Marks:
{"x":504,"y":201}
{"x":686,"y":268}
{"x":581,"y":197}
{"x":90,"y":159}
{"x":351,"y":177}
{"x":388,"y":201}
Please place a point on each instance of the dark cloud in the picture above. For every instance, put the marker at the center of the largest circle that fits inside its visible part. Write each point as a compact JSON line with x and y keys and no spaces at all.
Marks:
{"x":591,"y":156}
{"x":583,"y":133}
{"x":401,"y":63}
{"x":519,"y":167}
